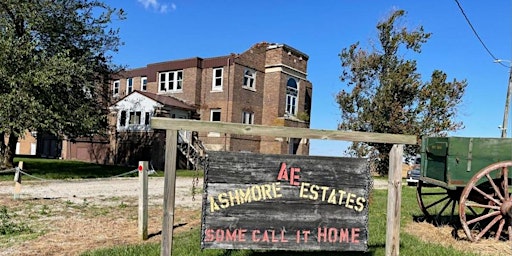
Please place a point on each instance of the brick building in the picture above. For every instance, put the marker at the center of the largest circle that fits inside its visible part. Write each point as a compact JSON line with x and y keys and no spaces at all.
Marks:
{"x":265,"y":85}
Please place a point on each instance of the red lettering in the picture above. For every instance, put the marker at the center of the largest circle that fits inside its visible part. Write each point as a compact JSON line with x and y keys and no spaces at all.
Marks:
{"x":230,"y":236}
{"x":227,"y":235}
{"x":254,"y":238}
{"x":322,"y":234}
{"x":294,"y":179}
{"x":265,"y":237}
{"x":219,"y":235}
{"x":283,"y":173}
{"x":344,"y":235}
{"x":209,"y":235}
{"x":241,"y":235}
{"x":333,"y":235}
{"x":274,"y":240}
{"x":283,"y":239}
{"x":297,"y":239}
{"x":306,"y":234}
{"x":355,"y":235}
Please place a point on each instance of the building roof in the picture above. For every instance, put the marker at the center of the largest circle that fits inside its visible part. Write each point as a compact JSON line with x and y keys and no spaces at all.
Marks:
{"x":167,"y":100}
{"x":153,"y":68}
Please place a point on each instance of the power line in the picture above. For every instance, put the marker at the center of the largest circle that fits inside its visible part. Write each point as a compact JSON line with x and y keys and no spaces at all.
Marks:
{"x":478,"y":36}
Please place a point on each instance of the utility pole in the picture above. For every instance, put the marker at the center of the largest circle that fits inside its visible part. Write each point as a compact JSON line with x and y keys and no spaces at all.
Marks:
{"x":507,"y":105}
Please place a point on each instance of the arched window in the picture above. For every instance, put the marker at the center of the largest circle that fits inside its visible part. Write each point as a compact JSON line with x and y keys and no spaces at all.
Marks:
{"x":249,"y":79}
{"x":291,"y":96}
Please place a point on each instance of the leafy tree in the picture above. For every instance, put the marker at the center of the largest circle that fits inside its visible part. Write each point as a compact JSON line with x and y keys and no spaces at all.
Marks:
{"x":55,"y":63}
{"x":388,"y":95}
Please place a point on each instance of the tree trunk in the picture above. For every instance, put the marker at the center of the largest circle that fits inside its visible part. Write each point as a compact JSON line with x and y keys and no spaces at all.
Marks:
{"x":383,"y":163}
{"x":2,"y":150}
{"x":10,"y":151}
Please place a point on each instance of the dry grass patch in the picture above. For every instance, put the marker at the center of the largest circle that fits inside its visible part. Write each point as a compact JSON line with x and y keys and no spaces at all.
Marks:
{"x":444,"y":236}
{"x":66,"y":228}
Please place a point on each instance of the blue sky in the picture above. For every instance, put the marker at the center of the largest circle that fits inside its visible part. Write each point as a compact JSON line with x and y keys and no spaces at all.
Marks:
{"x":161,"y":30}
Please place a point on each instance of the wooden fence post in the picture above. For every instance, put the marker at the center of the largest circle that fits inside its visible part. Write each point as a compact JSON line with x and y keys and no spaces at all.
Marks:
{"x":171,"y":143}
{"x":143,"y":200}
{"x":17,"y":180}
{"x":394,"y":200}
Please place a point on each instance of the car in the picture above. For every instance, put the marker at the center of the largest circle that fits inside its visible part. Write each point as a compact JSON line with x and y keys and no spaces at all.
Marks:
{"x":413,"y":176}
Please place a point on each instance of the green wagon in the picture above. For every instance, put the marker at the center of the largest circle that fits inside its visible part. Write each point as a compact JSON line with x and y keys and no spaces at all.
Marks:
{"x":471,"y":178}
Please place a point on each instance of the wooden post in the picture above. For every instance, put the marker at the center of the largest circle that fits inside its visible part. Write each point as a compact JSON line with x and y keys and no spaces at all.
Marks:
{"x":394,"y":200}
{"x":171,"y":144}
{"x":17,"y":180}
{"x":143,"y":200}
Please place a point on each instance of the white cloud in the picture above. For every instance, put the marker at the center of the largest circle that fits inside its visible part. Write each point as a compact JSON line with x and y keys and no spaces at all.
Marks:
{"x":156,"y":6}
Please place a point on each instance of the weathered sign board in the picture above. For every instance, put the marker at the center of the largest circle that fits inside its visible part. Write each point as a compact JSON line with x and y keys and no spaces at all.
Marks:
{"x":285,"y":202}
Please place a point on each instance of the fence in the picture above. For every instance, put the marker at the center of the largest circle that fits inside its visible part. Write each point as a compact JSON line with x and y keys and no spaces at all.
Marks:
{"x":143,"y":172}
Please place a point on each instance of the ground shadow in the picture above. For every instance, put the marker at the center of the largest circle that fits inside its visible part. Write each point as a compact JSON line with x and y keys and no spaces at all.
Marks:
{"x":160,"y":232}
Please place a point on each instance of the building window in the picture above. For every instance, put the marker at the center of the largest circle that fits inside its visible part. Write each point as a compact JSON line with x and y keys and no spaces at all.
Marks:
{"x":115,"y":88}
{"x":170,"y":81}
{"x":129,"y":85}
{"x":291,"y":96}
{"x":122,"y":121}
{"x":135,"y":117}
{"x":247,"y":117}
{"x":215,"y":115}
{"x":147,"y":118}
{"x":249,"y":78}
{"x":143,"y":83}
{"x":293,"y":146}
{"x":217,"y":79}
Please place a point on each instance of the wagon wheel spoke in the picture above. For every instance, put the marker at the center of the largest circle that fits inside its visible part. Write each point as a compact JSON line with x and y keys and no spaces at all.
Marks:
{"x":444,"y":208}
{"x":438,"y":202}
{"x":434,"y":193}
{"x":494,"y":186}
{"x":483,"y":217}
{"x":505,"y":183}
{"x":472,"y":211}
{"x":490,"y":197}
{"x":485,"y":195}
{"x":500,"y":228}
{"x":471,"y":204}
{"x":435,"y":202}
{"x":489,"y":226}
{"x":453,"y":208}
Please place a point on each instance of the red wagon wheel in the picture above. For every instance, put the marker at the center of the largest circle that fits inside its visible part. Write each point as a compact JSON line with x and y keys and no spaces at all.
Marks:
{"x":488,"y":192}
{"x":438,"y":204}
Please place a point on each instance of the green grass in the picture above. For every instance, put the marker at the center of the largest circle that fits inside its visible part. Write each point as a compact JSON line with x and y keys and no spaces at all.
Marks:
{"x":8,"y":226}
{"x":67,"y":169}
{"x":188,"y":243}
{"x":189,"y":173}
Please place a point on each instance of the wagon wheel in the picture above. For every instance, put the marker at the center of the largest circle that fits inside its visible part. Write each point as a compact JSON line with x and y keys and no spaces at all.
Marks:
{"x":438,"y":204}
{"x":488,"y":192}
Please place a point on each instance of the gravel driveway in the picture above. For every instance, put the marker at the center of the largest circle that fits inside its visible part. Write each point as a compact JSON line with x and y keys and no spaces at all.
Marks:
{"x":99,"y":191}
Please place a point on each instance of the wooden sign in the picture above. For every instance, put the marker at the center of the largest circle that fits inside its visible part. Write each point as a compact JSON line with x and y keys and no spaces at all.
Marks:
{"x":285,"y":202}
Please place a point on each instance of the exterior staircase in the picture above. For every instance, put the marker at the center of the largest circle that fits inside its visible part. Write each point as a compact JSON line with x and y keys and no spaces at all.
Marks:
{"x":192,"y":150}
